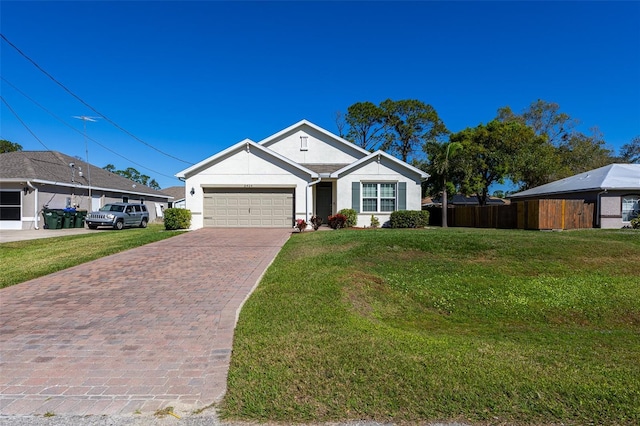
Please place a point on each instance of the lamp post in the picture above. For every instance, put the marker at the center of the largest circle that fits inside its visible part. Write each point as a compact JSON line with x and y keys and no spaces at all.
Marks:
{"x":84,"y":119}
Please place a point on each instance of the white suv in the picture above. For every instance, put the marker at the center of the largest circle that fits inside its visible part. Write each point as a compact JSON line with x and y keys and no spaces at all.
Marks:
{"x":118,"y":216}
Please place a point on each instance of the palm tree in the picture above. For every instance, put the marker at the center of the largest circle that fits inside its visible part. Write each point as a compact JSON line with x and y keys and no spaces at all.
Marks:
{"x":440,"y":154}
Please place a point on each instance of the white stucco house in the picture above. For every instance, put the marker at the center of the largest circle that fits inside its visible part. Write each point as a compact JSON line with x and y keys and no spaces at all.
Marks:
{"x":301,"y":171}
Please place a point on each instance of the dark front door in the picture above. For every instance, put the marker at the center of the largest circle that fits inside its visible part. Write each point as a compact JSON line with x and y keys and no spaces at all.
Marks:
{"x":323,"y":200}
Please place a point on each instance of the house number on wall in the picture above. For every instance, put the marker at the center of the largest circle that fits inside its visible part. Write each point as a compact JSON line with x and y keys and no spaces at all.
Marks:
{"x":248,"y":186}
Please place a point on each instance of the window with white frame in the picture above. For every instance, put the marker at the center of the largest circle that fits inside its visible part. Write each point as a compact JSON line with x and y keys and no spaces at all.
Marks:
{"x":378,"y":197}
{"x":630,"y":207}
{"x":304,"y":143}
{"x":10,"y":205}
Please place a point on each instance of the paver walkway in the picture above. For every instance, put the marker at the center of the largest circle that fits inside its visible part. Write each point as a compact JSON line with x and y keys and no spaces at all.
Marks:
{"x":133,"y":332}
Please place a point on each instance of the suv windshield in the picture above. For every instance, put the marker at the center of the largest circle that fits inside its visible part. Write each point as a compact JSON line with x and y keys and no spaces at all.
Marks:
{"x":112,"y":208}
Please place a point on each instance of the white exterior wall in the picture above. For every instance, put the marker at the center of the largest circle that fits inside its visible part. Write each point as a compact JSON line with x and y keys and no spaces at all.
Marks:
{"x":245,"y":170}
{"x":321,"y":149}
{"x":376,"y":172}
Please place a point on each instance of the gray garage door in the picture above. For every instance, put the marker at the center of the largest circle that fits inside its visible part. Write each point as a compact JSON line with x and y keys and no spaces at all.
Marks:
{"x":248,"y":208}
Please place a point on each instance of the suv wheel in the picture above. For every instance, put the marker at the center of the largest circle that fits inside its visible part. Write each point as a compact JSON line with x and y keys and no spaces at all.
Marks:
{"x":143,"y":224}
{"x":118,"y":225}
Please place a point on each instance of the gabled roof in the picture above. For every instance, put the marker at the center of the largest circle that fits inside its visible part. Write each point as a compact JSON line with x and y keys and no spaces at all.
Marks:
{"x":374,"y":155}
{"x":177,"y":192}
{"x":327,"y":133}
{"x":52,"y":167}
{"x":244,"y":144}
{"x":611,"y":177}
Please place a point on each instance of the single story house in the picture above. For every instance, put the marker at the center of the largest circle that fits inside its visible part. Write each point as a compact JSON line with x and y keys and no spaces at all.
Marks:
{"x":178,"y":194}
{"x":301,"y":171}
{"x":31,"y":180}
{"x":614,"y":189}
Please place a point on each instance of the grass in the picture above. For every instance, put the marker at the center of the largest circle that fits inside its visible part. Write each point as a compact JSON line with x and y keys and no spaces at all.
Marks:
{"x":479,"y":326}
{"x":24,"y":260}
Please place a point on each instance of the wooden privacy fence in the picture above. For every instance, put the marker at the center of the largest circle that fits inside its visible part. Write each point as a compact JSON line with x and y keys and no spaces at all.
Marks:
{"x":533,"y":214}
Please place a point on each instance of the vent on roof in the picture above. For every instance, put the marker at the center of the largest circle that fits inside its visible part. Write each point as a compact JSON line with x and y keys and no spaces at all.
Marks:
{"x":304,"y":144}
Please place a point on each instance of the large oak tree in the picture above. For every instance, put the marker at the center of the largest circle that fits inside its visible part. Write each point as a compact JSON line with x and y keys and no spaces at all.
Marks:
{"x":399,"y":127}
{"x":492,"y":153}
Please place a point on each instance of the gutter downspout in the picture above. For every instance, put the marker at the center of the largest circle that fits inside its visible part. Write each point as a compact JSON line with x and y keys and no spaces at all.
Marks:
{"x":598,"y":206}
{"x":309,"y":185}
{"x":35,"y":206}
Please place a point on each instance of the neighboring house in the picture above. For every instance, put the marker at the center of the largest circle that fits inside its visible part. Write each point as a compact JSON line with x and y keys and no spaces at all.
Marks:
{"x":614,"y":189}
{"x":178,"y":194}
{"x":297,"y":173}
{"x":461,"y":200}
{"x":31,"y":180}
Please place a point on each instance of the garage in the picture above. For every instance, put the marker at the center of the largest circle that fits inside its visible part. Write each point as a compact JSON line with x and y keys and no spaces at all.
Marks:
{"x":250,"y":207}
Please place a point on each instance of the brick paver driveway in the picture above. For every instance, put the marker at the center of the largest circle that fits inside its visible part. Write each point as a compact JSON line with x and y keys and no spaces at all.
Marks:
{"x":134,"y":332}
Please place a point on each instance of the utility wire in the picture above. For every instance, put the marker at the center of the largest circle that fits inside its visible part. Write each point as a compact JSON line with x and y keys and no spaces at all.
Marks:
{"x":34,"y":135}
{"x":89,"y":106}
{"x":78,"y":131}
{"x":23,"y":123}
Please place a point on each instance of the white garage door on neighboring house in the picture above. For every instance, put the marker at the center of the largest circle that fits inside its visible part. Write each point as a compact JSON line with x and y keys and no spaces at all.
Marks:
{"x":251,"y":207}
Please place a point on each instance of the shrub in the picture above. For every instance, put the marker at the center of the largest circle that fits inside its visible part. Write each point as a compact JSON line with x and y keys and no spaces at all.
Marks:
{"x":316,"y":221}
{"x":301,"y":225}
{"x":409,"y":219}
{"x":337,"y":221}
{"x":351,"y":215}
{"x":635,"y":223}
{"x":374,"y":222}
{"x":177,"y":219}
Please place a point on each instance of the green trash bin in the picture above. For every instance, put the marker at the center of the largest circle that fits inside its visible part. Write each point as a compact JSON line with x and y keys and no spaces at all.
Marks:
{"x":52,"y":219}
{"x":79,"y":219}
{"x":67,"y":218}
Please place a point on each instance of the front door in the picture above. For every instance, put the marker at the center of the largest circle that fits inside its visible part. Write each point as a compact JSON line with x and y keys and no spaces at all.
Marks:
{"x":324,"y":198}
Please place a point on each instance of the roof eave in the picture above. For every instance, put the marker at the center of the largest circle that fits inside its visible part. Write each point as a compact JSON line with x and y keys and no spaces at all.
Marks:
{"x":244,"y":144}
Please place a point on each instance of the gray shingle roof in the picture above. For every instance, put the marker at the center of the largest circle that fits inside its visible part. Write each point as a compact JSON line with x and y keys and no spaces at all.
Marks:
{"x":613,"y":176}
{"x":177,"y":192}
{"x":53,"y":167}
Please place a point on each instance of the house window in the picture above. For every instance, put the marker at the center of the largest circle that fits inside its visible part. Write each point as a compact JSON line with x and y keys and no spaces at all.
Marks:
{"x":10,"y":205}
{"x":630,"y":207}
{"x":125,"y":199}
{"x":304,"y":143}
{"x":378,"y":197}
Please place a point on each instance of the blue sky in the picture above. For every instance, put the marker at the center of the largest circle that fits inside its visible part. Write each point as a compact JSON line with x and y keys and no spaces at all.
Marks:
{"x":192,"y":78}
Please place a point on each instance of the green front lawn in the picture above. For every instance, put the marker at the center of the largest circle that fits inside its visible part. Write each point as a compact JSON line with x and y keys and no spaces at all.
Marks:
{"x":24,"y":260}
{"x":480,"y":326}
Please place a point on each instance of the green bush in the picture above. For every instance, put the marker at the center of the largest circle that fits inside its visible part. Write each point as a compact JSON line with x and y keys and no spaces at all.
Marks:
{"x":351,"y":215}
{"x":177,"y":219}
{"x":635,"y":223}
{"x":409,"y":219}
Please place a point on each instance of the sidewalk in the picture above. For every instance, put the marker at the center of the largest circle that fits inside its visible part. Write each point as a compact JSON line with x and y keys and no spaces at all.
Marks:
{"x":7,"y":236}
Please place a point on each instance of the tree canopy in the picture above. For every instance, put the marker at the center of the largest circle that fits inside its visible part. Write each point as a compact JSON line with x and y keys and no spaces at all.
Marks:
{"x":630,"y":152}
{"x":567,"y":151}
{"x":492,"y":153}
{"x":399,"y":127}
{"x":134,"y":175}
{"x":537,"y":146}
{"x":8,"y":146}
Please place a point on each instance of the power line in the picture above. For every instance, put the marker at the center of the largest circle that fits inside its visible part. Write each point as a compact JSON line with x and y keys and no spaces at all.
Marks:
{"x":113,"y":123}
{"x":78,"y":131}
{"x":23,"y":123}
